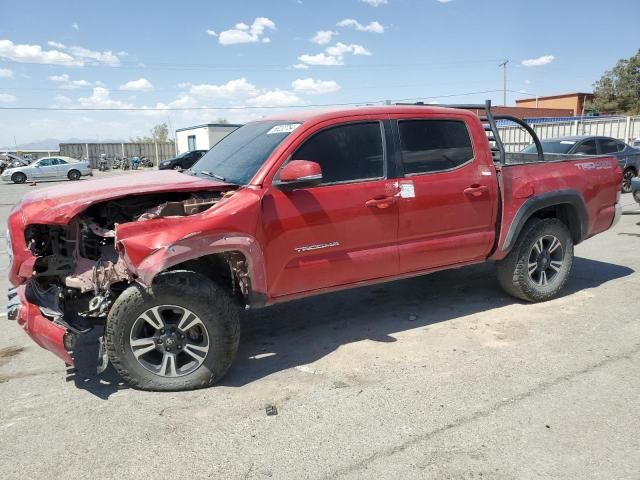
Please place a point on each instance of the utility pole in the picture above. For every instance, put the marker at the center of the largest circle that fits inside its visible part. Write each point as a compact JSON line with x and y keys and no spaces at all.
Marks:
{"x":504,"y":87}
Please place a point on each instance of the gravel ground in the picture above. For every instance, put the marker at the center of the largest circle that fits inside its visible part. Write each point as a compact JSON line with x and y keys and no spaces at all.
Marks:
{"x":440,"y":377}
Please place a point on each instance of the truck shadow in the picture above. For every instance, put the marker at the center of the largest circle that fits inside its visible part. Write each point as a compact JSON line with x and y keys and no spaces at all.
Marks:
{"x":298,"y":333}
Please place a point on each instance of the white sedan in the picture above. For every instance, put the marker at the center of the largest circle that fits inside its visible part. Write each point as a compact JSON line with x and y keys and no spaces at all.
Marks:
{"x":48,"y":168}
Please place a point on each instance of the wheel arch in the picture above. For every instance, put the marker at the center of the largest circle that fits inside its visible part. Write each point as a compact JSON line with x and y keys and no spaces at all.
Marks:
{"x":232,"y":259}
{"x":568,"y":206}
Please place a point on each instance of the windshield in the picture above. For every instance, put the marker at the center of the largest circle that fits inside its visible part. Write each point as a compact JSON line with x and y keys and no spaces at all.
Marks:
{"x":238,"y":156}
{"x":552,"y":146}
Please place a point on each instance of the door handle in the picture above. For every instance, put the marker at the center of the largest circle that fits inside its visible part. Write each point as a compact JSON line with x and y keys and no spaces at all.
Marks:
{"x":476,"y":190}
{"x":380,"y":202}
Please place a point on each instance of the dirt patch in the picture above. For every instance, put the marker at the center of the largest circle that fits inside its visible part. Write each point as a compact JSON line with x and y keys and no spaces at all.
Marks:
{"x":7,"y":353}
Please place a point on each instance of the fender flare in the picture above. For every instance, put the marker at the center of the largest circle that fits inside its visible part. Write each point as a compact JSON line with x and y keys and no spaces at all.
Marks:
{"x":192,"y":247}
{"x":579,"y":228}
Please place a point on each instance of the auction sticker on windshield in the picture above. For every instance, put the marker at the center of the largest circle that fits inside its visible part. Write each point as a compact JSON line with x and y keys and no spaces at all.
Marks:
{"x":288,"y":128}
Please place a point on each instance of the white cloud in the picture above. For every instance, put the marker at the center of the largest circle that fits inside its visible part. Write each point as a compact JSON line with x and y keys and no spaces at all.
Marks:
{"x":309,"y":86}
{"x":101,"y":99}
{"x":374,"y":27}
{"x":73,"y":56}
{"x":7,"y":98}
{"x":275,"y":98}
{"x":211,"y":32}
{"x":339,"y":49}
{"x":6,"y":73}
{"x":323,"y":37}
{"x":538,"y":62}
{"x":320,"y":59}
{"x":243,"y":33}
{"x":300,"y":66}
{"x":90,"y":56}
{"x":35,"y":54}
{"x":75,"y":26}
{"x":231,"y":89}
{"x":333,"y":55}
{"x":445,"y":1}
{"x":67,"y":83}
{"x":139,"y":85}
{"x":375,"y":3}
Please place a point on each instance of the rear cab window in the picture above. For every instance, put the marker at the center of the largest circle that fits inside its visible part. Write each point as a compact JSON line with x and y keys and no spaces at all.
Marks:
{"x":430,"y":146}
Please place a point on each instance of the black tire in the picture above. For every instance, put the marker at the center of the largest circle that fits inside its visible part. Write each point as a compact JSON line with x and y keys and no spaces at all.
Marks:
{"x":218,"y":314}
{"x":636,"y":196}
{"x":74,"y":175}
{"x":177,"y":167}
{"x":627,"y":175}
{"x":514,"y":271}
{"x":18,"y":177}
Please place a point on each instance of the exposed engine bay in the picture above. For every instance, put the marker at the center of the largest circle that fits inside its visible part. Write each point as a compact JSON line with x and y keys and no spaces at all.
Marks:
{"x":78,"y":273}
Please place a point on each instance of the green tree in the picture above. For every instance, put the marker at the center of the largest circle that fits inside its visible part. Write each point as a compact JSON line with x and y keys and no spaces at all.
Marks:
{"x":159,"y":133}
{"x":618,"y":91}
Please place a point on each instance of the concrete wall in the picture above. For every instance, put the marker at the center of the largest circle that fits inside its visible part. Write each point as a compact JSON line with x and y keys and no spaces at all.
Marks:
{"x":206,"y":136}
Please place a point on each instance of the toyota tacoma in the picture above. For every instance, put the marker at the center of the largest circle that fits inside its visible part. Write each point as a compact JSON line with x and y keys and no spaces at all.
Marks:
{"x":285,"y":208}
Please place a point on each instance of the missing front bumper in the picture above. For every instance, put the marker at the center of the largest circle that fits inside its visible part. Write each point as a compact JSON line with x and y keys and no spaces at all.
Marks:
{"x":49,"y":335}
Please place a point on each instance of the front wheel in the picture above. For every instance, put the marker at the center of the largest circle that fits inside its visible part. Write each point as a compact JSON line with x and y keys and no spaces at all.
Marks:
{"x":538,"y":266}
{"x":19,"y":177}
{"x":181,"y":334}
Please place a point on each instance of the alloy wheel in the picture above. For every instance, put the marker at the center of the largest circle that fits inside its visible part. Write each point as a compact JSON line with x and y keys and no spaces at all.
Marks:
{"x":545,"y":260}
{"x":169,"y":340}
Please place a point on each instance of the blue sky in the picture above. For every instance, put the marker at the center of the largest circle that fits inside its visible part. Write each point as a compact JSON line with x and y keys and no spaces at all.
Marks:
{"x":258,"y":56}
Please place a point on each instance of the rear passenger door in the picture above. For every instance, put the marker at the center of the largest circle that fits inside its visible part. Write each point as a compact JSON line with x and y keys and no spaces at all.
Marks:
{"x":448,"y":195}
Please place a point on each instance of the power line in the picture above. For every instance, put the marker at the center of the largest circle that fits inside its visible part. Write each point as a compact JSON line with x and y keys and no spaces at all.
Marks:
{"x":260,"y":67}
{"x":239,"y":107}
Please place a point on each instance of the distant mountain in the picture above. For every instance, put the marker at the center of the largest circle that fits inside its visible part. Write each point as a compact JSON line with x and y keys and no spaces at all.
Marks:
{"x":54,"y":143}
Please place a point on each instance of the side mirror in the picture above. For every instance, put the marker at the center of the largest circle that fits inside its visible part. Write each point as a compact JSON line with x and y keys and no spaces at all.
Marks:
{"x":300,"y":174}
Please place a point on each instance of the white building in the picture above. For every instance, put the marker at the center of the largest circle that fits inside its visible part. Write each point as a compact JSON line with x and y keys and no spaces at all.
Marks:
{"x":202,"y":137}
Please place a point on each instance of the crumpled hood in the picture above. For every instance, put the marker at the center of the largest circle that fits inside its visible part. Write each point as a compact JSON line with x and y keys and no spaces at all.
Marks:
{"x":60,"y":203}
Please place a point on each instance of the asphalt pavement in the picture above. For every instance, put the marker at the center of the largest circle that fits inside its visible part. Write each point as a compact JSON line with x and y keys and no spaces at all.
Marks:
{"x":442,"y":377}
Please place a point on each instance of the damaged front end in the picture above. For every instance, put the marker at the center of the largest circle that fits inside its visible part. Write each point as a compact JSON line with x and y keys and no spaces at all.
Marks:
{"x":77,"y":269}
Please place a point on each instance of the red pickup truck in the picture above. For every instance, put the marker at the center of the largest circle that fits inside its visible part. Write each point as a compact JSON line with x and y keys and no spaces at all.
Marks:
{"x":288,"y":207}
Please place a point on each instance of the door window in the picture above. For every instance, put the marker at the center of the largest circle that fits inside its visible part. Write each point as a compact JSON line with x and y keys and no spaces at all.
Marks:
{"x":609,"y":145}
{"x":47,"y":162}
{"x":346,"y":153}
{"x":588,"y":147}
{"x":429,"y":146}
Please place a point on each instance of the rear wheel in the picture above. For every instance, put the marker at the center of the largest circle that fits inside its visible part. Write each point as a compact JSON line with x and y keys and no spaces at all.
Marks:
{"x":627,"y":175}
{"x":177,"y":167}
{"x":181,"y":334}
{"x":538,"y":266}
{"x":18,"y":177}
{"x":73,"y":175}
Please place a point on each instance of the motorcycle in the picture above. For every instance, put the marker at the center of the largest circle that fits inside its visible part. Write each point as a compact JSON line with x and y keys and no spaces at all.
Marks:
{"x":117,"y":163}
{"x":126,"y":164}
{"x":103,"y":165}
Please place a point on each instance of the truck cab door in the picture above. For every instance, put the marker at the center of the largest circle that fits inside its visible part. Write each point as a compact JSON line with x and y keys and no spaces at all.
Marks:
{"x":449,"y":194}
{"x":341,"y":231}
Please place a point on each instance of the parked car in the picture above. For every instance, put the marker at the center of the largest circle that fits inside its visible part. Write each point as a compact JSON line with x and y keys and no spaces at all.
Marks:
{"x":628,"y":157}
{"x":290,"y":207}
{"x":636,"y":143}
{"x":184,"y":161}
{"x":48,"y":168}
